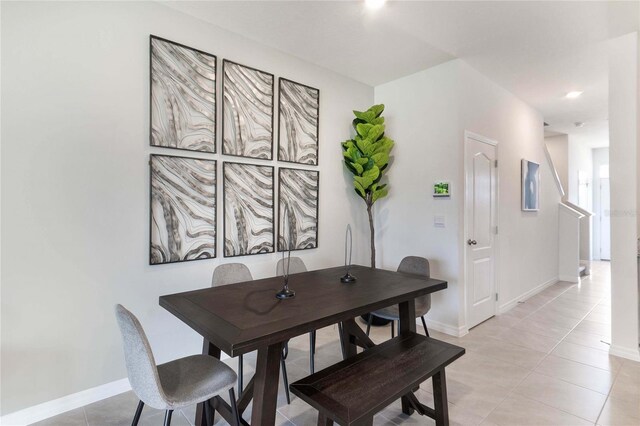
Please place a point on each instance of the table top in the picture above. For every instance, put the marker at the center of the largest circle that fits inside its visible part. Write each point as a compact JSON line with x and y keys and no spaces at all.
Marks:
{"x":242,"y":317}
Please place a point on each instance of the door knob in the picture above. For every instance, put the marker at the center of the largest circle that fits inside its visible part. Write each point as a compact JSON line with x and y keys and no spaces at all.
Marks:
{"x":472,"y":242}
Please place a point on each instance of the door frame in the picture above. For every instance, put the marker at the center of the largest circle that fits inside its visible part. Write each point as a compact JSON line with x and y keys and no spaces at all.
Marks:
{"x":466,"y":202}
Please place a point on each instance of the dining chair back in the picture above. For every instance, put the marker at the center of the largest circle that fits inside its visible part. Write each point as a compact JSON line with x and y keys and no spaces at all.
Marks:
{"x":230,"y":273}
{"x":141,"y":366}
{"x":410,"y":265}
{"x":296,"y":266}
{"x":176,"y":384}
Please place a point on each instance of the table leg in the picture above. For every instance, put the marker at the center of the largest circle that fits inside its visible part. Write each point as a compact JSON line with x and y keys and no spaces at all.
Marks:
{"x":440,"y":398}
{"x":214,"y":351}
{"x":265,"y":385}
{"x":348,"y":340}
{"x":407,"y":323}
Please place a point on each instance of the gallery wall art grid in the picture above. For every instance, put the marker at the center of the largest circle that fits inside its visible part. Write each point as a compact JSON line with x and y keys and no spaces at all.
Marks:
{"x":183,"y":96}
{"x":247,"y":111}
{"x":298,"y":122}
{"x":183,"y":190}
{"x":183,"y":209}
{"x":248,"y":209}
{"x":298,"y":209}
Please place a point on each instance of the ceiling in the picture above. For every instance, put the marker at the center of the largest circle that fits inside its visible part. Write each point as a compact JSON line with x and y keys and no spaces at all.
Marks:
{"x":537,"y":50}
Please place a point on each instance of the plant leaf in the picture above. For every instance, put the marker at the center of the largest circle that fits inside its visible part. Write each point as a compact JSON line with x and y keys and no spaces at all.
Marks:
{"x":359,"y":169}
{"x":380,"y":193}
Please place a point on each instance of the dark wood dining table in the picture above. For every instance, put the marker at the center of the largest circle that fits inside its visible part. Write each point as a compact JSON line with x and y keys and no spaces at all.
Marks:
{"x":247,"y":316}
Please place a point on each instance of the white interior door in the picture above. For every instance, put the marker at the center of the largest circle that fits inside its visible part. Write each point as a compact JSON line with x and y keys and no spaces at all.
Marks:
{"x":480,"y":218}
{"x":605,"y":220}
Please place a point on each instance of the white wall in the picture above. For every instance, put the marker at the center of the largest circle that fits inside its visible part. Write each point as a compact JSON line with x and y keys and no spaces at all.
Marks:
{"x":75,"y":188}
{"x":623,"y":171}
{"x":600,"y":157}
{"x":558,"y":147}
{"x":428,"y":113}
{"x":580,"y":160}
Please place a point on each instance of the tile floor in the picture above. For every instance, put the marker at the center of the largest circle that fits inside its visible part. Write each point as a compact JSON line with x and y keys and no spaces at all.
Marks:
{"x":545,"y":362}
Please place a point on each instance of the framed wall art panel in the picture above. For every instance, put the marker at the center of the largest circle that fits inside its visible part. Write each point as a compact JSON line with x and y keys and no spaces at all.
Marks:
{"x":298,"y":192}
{"x":183,"y":209}
{"x":248,"y":209}
{"x":183,"y":97}
{"x":247,"y":118}
{"x":299,"y":123}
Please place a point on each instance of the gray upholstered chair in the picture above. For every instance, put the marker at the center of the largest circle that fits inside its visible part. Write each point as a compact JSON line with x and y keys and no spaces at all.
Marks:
{"x":410,"y":265}
{"x":232,"y":273}
{"x":175,"y":384}
{"x":296,"y":266}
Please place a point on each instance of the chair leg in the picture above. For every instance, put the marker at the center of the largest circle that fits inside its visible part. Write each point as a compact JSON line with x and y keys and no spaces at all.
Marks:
{"x":136,"y":417}
{"x":393,"y":329}
{"x":167,"y":417}
{"x":234,"y":408}
{"x":424,"y":324}
{"x":369,"y":323}
{"x":240,"y":373}
{"x":285,"y":379}
{"x":207,"y":413}
{"x":312,"y":351}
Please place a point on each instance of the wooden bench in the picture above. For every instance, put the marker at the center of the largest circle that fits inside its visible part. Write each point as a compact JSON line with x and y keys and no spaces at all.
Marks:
{"x":354,"y":390}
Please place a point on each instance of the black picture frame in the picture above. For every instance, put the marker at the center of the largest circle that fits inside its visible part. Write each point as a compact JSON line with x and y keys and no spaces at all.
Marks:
{"x":152,"y":157}
{"x":225,"y":185}
{"x":224,"y":79}
{"x":317,"y":210}
{"x":213,"y":142}
{"x":280,"y":132}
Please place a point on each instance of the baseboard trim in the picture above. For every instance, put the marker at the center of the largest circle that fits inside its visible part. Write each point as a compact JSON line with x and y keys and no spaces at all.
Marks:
{"x":444,"y":328}
{"x":54,"y":407}
{"x":628,"y":353}
{"x":514,"y":302}
{"x":569,"y":278}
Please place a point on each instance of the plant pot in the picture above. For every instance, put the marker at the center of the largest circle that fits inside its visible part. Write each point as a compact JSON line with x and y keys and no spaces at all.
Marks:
{"x":376,"y":321}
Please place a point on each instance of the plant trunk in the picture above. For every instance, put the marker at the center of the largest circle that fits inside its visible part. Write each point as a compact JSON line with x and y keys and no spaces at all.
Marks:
{"x":373,"y":234}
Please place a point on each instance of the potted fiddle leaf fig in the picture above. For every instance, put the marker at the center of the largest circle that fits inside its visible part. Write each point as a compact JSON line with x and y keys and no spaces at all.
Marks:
{"x":367,"y":157}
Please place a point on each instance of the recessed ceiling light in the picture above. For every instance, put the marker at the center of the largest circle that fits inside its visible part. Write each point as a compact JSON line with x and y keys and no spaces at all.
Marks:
{"x":374,"y":4}
{"x":573,"y":95}
{"x":578,"y":124}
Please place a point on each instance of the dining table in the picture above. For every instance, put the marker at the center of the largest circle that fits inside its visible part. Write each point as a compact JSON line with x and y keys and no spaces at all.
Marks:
{"x":247,"y":316}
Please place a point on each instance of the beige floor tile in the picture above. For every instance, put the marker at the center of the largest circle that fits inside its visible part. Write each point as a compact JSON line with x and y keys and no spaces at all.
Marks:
{"x":626,"y":388}
{"x":576,"y":373}
{"x":631,"y":369}
{"x":543,"y":328}
{"x":505,"y":351}
{"x":617,"y":412}
{"x":564,"y":311}
{"x":595,"y":341}
{"x":586,"y":355}
{"x":70,"y":418}
{"x":562,"y":395}
{"x":521,"y":411}
{"x":476,"y":397}
{"x":529,"y":340}
{"x":477,"y":370}
{"x":601,"y":317}
{"x":555,"y":318}
{"x":593,"y":327}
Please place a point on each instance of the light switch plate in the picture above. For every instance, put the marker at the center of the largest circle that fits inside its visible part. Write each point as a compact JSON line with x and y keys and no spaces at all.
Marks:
{"x":438,"y":221}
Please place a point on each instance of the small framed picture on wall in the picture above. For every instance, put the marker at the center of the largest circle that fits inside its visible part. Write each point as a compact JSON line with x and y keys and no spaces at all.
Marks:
{"x":441,"y":189}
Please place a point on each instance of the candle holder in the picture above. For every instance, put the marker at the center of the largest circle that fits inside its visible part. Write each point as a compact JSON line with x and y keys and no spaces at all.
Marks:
{"x":286,"y":292}
{"x":348,"y":238}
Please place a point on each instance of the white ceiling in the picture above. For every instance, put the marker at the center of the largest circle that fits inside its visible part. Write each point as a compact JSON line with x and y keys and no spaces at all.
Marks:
{"x":537,"y":50}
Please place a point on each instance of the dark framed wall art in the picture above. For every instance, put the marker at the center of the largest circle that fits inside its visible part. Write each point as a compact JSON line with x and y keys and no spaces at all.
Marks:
{"x":183,"y":209}
{"x":183,"y":96}
{"x":298,"y":192}
{"x":299,"y":122}
{"x":248,"y":209}
{"x":247,"y":106}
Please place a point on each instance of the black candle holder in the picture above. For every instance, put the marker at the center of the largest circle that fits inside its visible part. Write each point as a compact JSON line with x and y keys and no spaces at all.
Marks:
{"x":348,"y":237}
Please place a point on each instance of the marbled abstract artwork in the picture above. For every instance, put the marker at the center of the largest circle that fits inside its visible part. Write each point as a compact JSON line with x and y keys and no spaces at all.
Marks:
{"x":248,"y":209}
{"x":183,"y":209}
{"x":298,"y":123}
{"x":183,"y":97}
{"x":247,"y":120}
{"x":297,"y":209}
